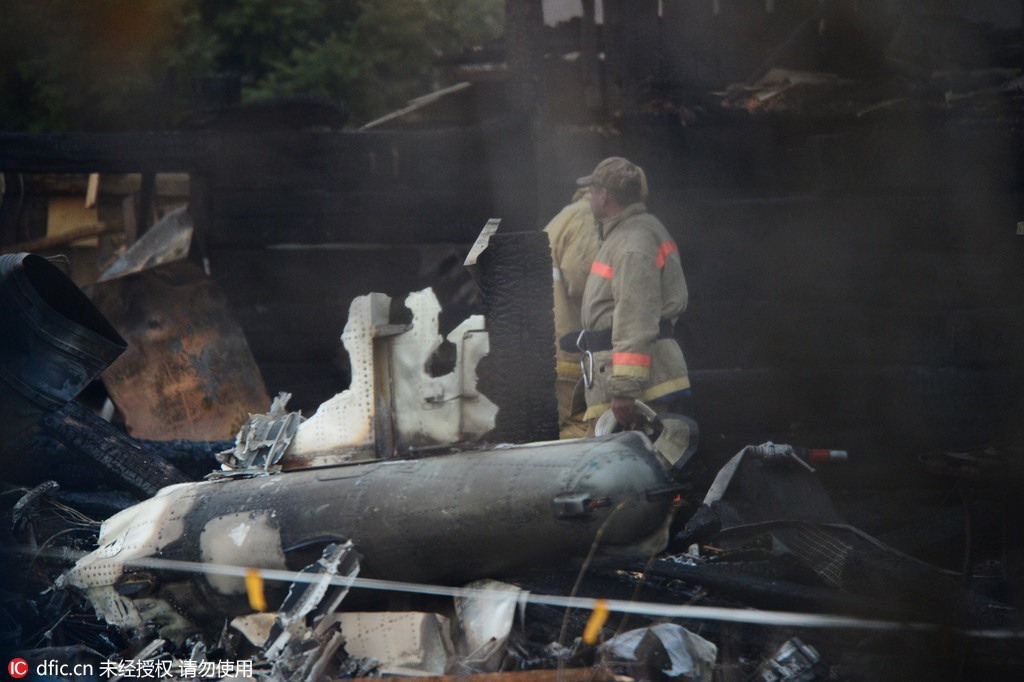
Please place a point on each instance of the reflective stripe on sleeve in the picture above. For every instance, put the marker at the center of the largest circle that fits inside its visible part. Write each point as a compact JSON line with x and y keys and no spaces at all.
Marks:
{"x":636,"y":371}
{"x":631,"y":365}
{"x":664,"y":250}
{"x":601,"y":270}
{"x":631,"y":359}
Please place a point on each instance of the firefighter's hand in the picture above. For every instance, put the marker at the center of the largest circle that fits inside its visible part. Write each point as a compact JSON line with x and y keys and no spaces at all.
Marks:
{"x":624,"y":410}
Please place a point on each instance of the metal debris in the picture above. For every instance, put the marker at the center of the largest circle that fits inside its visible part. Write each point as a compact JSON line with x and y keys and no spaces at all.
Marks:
{"x":666,"y":648}
{"x":188,"y":372}
{"x":484,"y":619}
{"x":793,"y":662}
{"x":449,"y":518}
{"x":263,"y":439}
{"x":393,"y":405}
{"x":167,"y":241}
{"x":29,"y":502}
{"x":402,"y":643}
{"x":306,"y":634}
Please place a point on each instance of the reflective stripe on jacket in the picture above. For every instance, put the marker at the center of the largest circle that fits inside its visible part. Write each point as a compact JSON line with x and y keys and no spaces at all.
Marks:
{"x":635,"y":281}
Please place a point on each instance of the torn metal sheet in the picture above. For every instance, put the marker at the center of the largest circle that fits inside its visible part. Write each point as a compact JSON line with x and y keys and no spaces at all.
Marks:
{"x":169,"y":240}
{"x":188,"y":372}
{"x":393,"y":403}
{"x":448,"y":518}
{"x":263,"y":439}
{"x":479,"y":246}
{"x":305,"y":635}
{"x":343,"y":428}
{"x":128,"y":600}
{"x":689,"y":656}
{"x":411,"y":643}
{"x":795,"y":661}
{"x":484,"y":617}
{"x":404,"y":643}
{"x":438,"y":410}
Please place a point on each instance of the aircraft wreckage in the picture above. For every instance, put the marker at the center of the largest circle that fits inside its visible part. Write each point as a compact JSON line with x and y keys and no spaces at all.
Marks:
{"x":294,"y":490}
{"x":391,"y":479}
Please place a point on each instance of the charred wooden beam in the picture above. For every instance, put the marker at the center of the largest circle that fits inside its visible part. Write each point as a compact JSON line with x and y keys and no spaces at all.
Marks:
{"x":630,"y":27}
{"x":518,"y":373}
{"x":86,"y":434}
{"x":101,"y":152}
{"x":523,"y":23}
{"x":347,"y":157}
{"x":58,"y":240}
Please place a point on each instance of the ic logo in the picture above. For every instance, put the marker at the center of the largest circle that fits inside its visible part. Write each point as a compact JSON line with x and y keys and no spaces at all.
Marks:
{"x":18,"y":667}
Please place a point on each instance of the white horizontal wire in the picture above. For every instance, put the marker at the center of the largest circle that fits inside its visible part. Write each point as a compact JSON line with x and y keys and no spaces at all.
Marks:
{"x":654,"y":609}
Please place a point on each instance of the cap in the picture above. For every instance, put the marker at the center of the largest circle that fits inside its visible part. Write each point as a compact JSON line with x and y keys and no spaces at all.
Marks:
{"x":618,"y":174}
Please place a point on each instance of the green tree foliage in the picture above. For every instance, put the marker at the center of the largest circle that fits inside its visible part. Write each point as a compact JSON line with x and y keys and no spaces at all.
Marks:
{"x":253,"y":36}
{"x":128,"y":64}
{"x":373,"y":55}
{"x":461,"y":25}
{"x":373,"y":62}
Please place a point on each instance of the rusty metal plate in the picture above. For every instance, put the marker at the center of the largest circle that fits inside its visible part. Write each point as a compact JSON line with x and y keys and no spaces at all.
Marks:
{"x":188,"y":372}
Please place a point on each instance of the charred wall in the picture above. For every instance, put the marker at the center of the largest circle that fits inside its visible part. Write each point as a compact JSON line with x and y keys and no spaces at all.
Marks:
{"x":852,"y":285}
{"x":298,"y":224}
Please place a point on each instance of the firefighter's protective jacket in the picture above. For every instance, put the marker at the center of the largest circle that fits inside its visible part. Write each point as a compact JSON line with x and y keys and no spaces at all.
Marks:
{"x":573,"y":239}
{"x":636,"y":281}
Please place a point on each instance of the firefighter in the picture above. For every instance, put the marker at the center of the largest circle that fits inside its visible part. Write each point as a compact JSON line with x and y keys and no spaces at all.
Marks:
{"x":634,"y":293}
{"x":573,"y":240}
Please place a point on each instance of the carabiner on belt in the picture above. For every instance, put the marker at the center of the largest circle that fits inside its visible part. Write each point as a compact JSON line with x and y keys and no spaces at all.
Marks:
{"x":586,"y":360}
{"x":587,"y":368}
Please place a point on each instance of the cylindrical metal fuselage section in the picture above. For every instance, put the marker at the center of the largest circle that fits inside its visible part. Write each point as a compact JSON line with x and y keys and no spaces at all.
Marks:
{"x":459,"y":517}
{"x":441,"y":519}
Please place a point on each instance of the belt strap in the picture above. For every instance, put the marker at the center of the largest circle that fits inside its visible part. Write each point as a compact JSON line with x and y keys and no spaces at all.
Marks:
{"x":600,"y":340}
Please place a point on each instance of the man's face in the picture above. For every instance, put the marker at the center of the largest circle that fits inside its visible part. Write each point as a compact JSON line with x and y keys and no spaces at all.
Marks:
{"x":598,"y":201}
